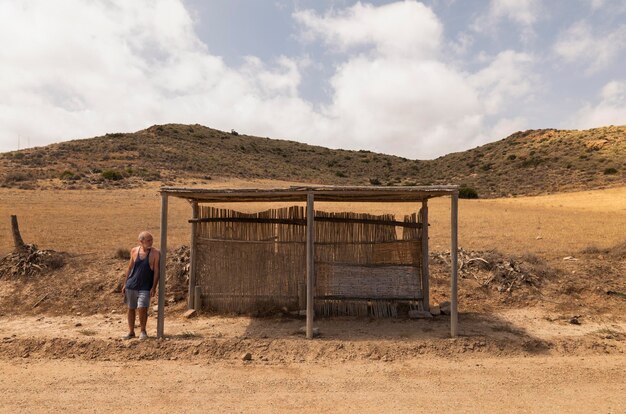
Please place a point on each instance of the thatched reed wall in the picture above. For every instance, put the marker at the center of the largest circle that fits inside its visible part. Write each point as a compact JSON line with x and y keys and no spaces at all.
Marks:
{"x":364,"y":264}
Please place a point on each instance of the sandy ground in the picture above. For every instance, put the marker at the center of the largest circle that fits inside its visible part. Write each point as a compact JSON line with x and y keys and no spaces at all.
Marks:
{"x":513,"y":361}
{"x":522,"y":385}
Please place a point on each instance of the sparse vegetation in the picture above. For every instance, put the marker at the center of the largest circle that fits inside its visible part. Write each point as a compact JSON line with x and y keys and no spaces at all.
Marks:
{"x":16,"y":177}
{"x":593,"y":250}
{"x":112,"y":175}
{"x":467,"y":193}
{"x":68,"y":175}
{"x":122,"y":253}
{"x":529,"y":162}
{"x":189,"y":335}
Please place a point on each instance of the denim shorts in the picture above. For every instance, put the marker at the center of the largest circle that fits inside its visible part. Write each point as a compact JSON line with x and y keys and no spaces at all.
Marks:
{"x":137,"y":298}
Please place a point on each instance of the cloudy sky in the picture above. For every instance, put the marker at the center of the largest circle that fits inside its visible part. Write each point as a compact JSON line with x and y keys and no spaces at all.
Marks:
{"x":416,"y":79}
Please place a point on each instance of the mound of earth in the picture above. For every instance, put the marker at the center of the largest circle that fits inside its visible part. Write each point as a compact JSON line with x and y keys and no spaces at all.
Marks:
{"x":30,"y":261}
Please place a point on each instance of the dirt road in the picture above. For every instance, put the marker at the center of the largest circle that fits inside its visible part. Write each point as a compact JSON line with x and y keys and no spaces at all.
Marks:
{"x":534,"y":384}
{"x":516,"y":361}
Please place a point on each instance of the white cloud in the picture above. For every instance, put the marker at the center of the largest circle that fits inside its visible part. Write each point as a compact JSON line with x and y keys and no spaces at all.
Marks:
{"x":579,"y":44}
{"x":607,"y":6}
{"x":408,"y":28}
{"x":462,"y":44}
{"x":506,"y":79}
{"x":404,"y":98}
{"x":71,"y":69}
{"x":404,"y":107}
{"x":609,"y":110}
{"x":505,"y":127}
{"x":596,"y":4}
{"x":523,"y":13}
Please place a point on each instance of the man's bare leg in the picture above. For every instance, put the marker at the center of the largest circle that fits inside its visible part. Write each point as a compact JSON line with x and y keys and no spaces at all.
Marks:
{"x":143,"y":318}
{"x":131,"y":321}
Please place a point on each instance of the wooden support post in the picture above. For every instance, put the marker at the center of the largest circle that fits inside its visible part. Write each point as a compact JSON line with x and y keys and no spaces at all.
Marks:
{"x":192,"y":257}
{"x":197,"y":298}
{"x":161,"y":313}
{"x":310,"y":261}
{"x":18,"y":243}
{"x":425,"y":267}
{"x":454,"y":316}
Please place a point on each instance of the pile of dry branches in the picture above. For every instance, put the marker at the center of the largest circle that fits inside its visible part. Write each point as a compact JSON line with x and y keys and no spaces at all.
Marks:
{"x":29,"y":260}
{"x":495,"y":270}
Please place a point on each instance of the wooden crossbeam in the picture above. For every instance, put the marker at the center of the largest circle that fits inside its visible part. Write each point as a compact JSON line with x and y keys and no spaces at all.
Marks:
{"x":302,"y":222}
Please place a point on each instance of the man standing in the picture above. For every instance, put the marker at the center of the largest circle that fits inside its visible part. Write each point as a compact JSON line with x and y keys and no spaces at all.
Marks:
{"x":142,"y":278}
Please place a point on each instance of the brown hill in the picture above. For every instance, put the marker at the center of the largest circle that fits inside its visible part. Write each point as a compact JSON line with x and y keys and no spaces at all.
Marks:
{"x":530,"y":162}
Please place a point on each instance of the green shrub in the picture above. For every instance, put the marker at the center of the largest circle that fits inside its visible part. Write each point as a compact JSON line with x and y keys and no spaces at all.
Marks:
{"x":68,"y":175}
{"x":111,"y":175}
{"x":467,"y":192}
{"x":511,"y":157}
{"x":340,"y":174}
{"x":610,"y":171}
{"x":374,"y":181}
{"x":148,"y":175}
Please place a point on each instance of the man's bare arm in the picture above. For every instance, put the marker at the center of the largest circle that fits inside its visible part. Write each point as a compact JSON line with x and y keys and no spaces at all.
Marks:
{"x":130,"y":268}
{"x":155,"y":282}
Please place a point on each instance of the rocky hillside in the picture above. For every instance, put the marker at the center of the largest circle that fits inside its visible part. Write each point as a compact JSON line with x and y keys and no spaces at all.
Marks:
{"x":530,"y":162}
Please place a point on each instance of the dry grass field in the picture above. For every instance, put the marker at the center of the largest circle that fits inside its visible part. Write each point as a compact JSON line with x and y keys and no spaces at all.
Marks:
{"x":100,"y":221}
{"x":521,"y":352}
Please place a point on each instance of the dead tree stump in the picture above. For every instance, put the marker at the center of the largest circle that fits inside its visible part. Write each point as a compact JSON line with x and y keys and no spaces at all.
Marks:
{"x":17,"y":237}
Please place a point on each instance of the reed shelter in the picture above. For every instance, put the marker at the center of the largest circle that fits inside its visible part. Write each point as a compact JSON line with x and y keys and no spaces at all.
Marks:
{"x":302,"y":259}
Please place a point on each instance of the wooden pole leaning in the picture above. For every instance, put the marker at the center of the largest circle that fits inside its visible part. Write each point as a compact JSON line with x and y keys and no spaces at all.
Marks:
{"x":454,"y":316}
{"x":310,"y":262}
{"x":192,"y":257}
{"x":161,"y":311}
{"x":425,"y":253}
{"x":18,"y":242}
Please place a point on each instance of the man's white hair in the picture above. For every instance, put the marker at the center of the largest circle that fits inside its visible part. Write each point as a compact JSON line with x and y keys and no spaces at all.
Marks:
{"x":143,"y":235}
